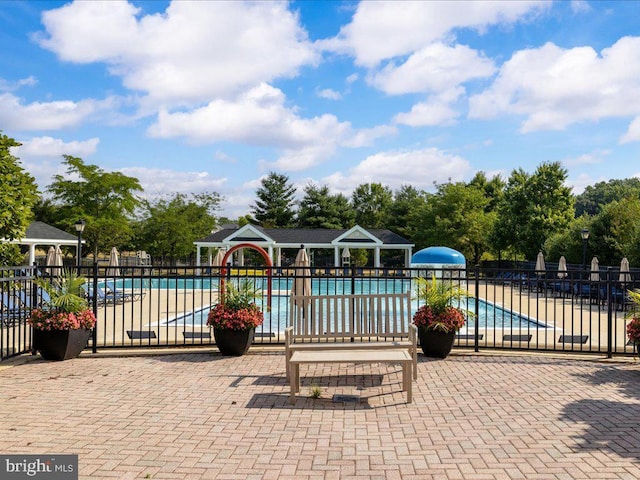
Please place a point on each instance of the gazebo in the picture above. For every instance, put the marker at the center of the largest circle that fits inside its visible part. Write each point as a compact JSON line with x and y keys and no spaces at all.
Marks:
{"x":42,"y":234}
{"x":274,"y":240}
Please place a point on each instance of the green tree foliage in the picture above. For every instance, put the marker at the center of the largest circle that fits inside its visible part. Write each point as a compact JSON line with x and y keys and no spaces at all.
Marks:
{"x":371,"y":202}
{"x":493,"y":189}
{"x":105,"y":200}
{"x":596,"y":196}
{"x":320,"y":209}
{"x":274,"y":206}
{"x":407,"y":203}
{"x":568,"y":242}
{"x":614,"y":230}
{"x":457,"y":217}
{"x":18,"y":195}
{"x":169,"y":227}
{"x":534,"y":207}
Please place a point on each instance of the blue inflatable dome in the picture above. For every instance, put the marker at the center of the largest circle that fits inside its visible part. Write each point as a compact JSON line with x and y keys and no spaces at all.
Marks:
{"x":434,"y":256}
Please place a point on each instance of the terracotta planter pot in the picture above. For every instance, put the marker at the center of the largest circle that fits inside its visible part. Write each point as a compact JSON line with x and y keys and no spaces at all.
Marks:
{"x":233,"y":342}
{"x":60,"y":344}
{"x":435,"y":343}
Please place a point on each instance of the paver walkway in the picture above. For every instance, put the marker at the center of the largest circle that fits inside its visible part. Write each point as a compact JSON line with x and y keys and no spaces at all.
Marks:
{"x":199,"y":415}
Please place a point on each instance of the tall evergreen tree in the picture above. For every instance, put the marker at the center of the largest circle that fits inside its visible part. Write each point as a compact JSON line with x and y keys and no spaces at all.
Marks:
{"x":319,"y":209}
{"x":274,"y":206}
{"x":372,"y":201}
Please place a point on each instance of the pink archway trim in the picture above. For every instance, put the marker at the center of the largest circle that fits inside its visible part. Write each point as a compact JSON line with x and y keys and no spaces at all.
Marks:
{"x":261,"y":251}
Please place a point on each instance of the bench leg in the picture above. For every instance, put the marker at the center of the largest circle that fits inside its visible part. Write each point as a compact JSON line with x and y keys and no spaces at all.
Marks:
{"x":415,"y":365}
{"x":293,"y":382}
{"x":406,"y":379}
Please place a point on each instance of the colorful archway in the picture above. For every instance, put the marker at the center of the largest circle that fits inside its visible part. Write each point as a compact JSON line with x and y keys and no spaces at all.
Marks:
{"x":261,"y":251}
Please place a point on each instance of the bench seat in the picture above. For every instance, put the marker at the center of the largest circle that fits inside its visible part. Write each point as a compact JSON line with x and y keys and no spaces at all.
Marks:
{"x":394,"y":356}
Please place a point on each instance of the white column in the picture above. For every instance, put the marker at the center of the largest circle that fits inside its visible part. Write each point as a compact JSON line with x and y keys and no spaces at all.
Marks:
{"x":376,"y":253}
{"x":336,"y":256}
{"x":240,"y":257}
{"x":32,"y":254}
{"x":278,"y":257}
{"x":197,"y":255}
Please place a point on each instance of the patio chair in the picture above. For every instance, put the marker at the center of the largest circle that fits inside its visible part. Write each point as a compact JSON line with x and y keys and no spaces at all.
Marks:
{"x":126,"y":296}
{"x":10,"y":310}
{"x":102,"y":297}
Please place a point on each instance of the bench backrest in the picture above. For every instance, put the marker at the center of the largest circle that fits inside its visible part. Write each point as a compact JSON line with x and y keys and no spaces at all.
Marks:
{"x":376,"y":315}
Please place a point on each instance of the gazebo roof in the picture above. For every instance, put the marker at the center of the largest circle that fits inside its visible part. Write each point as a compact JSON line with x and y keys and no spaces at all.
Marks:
{"x":307,"y":236}
{"x":42,"y":231}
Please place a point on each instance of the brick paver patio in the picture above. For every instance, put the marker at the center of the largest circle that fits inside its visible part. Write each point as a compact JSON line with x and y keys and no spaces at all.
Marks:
{"x":200,"y":415}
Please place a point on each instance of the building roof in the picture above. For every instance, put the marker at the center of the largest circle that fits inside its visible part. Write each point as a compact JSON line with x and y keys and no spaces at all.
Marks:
{"x":304,"y":236}
{"x":43,"y":231}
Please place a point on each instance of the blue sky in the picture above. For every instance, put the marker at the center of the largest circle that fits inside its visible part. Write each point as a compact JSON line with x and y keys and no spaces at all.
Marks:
{"x":211,"y":96}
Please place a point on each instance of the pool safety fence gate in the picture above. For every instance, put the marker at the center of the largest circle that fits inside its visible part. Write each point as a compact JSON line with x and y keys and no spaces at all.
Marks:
{"x":149,"y":306}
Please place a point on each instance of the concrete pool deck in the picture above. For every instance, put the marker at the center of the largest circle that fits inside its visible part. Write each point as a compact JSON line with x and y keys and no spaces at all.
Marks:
{"x":197,"y":415}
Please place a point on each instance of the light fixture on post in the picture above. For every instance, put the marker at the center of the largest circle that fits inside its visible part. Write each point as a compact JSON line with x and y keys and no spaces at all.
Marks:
{"x":79,"y":229}
{"x":584,"y":233}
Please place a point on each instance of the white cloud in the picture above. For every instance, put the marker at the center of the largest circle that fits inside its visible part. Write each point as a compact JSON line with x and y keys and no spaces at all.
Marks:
{"x":55,"y":147}
{"x":385,"y":29}
{"x":420,"y":168}
{"x":352,"y":78}
{"x":633,"y":132}
{"x":434,"y":68}
{"x":592,"y":158}
{"x":257,"y":117}
{"x":580,"y":6}
{"x":6,"y":86}
{"x":329,"y":94}
{"x":188,"y":54}
{"x":159,"y":182}
{"x":436,"y":110}
{"x":554,"y":87}
{"x":260,"y":117}
{"x":42,"y":156}
{"x":48,"y":115}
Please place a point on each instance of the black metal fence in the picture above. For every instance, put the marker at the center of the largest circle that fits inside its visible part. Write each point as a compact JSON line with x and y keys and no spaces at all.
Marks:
{"x":150,"y":306}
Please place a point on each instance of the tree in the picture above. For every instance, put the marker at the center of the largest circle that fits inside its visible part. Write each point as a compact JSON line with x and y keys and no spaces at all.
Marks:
{"x":614,"y":230}
{"x":371,"y":201}
{"x":533,"y":208}
{"x":407,"y":202}
{"x":319,"y":209}
{"x":18,"y":195}
{"x":456,"y":216}
{"x":596,"y":196}
{"x":274,"y":207}
{"x":105,"y":200}
{"x":169,"y":227}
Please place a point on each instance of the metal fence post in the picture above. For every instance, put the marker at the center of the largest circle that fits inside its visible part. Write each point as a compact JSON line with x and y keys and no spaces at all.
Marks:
{"x":476,"y":332}
{"x":609,"y":315}
{"x":94,"y":306}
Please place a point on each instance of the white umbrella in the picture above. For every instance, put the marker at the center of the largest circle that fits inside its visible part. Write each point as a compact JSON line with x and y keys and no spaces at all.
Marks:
{"x":217,"y":260}
{"x":562,"y":268}
{"x":625,"y":276}
{"x":51,"y":258}
{"x":114,"y":262}
{"x":58,"y":260}
{"x":595,"y":270}
{"x":302,"y":282}
{"x":540,"y":266}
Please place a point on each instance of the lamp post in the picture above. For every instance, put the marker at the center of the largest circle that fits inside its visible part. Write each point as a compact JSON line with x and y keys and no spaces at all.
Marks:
{"x":79,"y":229}
{"x":584,"y":233}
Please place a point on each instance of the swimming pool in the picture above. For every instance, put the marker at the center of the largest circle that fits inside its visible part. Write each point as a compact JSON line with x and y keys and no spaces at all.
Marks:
{"x":490,"y":315}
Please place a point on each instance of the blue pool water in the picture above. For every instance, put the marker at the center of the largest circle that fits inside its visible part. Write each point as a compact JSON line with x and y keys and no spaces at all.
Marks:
{"x":490,"y":316}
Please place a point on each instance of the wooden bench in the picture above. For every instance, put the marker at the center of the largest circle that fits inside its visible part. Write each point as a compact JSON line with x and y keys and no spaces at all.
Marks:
{"x":376,"y":322}
{"x":396,"y":356}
